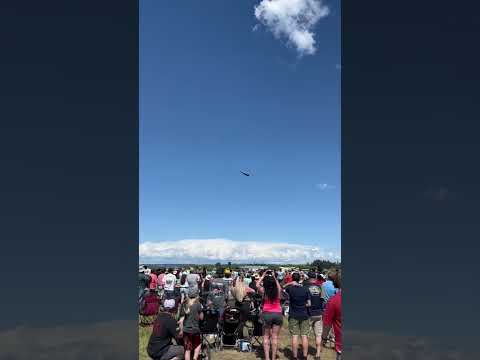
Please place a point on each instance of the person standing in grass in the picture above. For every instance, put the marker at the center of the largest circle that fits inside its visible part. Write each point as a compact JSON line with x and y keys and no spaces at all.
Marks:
{"x":298,"y":318}
{"x":272,"y":317}
{"x":315,"y":310}
{"x":190,"y":316}
{"x":332,"y":317}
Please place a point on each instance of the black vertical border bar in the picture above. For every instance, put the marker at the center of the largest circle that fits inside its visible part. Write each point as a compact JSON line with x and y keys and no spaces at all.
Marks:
{"x":410,"y":150}
{"x":69,"y":179}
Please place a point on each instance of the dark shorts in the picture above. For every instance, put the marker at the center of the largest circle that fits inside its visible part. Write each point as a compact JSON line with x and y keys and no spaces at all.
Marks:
{"x":270,"y":319}
{"x":191,"y":341}
{"x":173,"y":351}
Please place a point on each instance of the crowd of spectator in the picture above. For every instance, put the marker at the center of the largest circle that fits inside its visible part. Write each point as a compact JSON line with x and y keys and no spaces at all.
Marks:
{"x":310,"y":301}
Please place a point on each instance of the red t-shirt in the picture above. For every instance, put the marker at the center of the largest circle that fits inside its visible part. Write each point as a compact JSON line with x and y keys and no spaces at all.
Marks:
{"x":288,"y":279}
{"x":153,"y":282}
{"x":333,"y":317}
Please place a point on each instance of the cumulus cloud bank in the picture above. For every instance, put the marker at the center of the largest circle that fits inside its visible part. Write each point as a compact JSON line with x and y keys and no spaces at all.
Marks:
{"x":213,"y":250}
{"x":293,"y":20}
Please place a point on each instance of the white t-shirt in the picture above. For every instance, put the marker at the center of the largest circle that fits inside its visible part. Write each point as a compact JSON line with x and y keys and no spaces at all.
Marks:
{"x":169,"y":282}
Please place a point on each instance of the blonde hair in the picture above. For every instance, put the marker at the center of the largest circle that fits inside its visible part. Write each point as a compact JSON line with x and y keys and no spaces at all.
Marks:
{"x":240,"y":289}
{"x":187,"y":305}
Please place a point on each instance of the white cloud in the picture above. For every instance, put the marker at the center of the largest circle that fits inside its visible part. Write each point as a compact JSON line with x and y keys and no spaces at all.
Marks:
{"x":293,"y":20}
{"x":325,"y":187}
{"x":213,"y":250}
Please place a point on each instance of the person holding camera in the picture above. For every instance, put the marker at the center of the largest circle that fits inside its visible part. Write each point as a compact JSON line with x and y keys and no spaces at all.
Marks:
{"x":272,"y":316}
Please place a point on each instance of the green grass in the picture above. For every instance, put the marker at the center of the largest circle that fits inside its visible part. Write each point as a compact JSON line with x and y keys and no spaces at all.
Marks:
{"x":284,"y":348}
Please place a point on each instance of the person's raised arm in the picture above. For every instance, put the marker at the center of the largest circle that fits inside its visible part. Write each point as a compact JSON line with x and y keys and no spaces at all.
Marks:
{"x":279,"y":287}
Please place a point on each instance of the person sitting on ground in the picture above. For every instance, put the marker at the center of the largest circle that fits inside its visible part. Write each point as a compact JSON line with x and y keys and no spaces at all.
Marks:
{"x":190,"y":316}
{"x":298,"y":319}
{"x":272,"y":316}
{"x":332,"y":317}
{"x":315,"y":310}
{"x":160,"y":345}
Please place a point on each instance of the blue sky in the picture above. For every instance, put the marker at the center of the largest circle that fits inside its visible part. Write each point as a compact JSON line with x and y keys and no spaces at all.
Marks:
{"x":219,"y":93}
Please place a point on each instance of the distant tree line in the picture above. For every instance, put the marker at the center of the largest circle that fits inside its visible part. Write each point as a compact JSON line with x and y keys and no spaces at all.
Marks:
{"x":318,"y":265}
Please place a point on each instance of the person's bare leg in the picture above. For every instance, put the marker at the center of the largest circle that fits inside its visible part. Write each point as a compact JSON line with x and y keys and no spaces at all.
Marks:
{"x":266,"y":342}
{"x":305,"y":346}
{"x":187,"y":354}
{"x":295,"y":346}
{"x":197,"y":352}
{"x":275,"y":332}
{"x":318,"y":344}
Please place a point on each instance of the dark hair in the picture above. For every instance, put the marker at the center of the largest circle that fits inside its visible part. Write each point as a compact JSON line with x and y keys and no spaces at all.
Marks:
{"x":332,"y":275}
{"x":183,"y":279}
{"x":170,"y":270}
{"x":270,"y":287}
{"x":337,"y":282}
{"x":296,"y":276}
{"x":206,"y":285}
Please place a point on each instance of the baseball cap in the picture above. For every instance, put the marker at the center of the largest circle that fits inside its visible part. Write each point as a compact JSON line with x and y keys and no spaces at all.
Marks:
{"x":311,"y":275}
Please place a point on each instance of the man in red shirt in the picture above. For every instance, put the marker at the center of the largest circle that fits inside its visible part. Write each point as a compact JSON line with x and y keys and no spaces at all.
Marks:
{"x":153,"y":280}
{"x":320,"y":279}
{"x":288,"y":278}
{"x":333,"y":317}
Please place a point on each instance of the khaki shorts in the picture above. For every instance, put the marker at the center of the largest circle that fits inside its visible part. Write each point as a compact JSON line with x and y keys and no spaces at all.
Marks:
{"x":317,"y":325}
{"x":299,"y":327}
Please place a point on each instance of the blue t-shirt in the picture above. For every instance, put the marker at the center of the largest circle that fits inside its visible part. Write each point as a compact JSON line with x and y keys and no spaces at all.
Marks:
{"x":328,"y":290}
{"x":298,"y":297}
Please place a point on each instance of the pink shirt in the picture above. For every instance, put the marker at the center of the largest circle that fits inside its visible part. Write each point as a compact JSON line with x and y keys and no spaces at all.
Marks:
{"x":153,"y":282}
{"x":161,"y":280}
{"x":272,"y":306}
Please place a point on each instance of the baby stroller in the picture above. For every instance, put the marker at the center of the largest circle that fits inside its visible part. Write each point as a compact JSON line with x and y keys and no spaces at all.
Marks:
{"x":230,"y":327}
{"x":209,"y":330}
{"x":149,"y":307}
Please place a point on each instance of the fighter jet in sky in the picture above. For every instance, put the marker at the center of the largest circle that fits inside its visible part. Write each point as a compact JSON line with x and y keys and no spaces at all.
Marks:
{"x":245,"y":173}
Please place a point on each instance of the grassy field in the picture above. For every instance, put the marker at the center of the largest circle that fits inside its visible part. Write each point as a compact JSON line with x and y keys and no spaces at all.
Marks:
{"x":285,"y":349}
